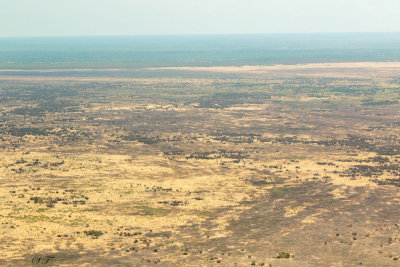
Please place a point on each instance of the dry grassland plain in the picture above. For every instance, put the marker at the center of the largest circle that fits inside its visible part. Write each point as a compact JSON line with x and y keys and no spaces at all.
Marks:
{"x":221,"y":166}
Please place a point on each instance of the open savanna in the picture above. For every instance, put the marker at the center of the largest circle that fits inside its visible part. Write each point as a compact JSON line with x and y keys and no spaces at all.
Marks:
{"x":230,"y":166}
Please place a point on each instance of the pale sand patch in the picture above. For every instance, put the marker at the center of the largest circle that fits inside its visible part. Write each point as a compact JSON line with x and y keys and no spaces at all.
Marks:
{"x":384,"y":66}
{"x":248,"y":107}
{"x":261,"y":68}
{"x":293,"y":211}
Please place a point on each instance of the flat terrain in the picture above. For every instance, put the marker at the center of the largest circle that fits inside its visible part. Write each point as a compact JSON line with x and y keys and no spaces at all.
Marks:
{"x":221,"y":166}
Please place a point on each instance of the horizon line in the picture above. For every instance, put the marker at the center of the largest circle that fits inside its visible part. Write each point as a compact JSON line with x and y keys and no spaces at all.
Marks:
{"x":192,"y":34}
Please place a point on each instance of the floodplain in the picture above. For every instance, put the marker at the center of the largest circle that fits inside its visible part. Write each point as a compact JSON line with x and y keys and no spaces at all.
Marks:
{"x":287,"y":165}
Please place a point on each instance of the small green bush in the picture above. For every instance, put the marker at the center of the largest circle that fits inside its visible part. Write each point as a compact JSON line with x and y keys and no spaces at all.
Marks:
{"x":94,"y":233}
{"x":283,"y":255}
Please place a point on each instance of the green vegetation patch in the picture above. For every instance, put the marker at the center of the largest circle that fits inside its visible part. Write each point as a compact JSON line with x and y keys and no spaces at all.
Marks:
{"x":283,"y":255}
{"x":93,"y":233}
{"x":146,"y":210}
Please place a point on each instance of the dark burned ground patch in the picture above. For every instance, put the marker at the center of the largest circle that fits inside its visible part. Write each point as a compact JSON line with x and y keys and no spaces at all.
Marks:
{"x":360,"y":228}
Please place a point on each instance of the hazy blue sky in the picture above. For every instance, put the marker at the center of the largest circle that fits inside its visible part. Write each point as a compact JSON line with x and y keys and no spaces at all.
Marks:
{"x":131,"y":17}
